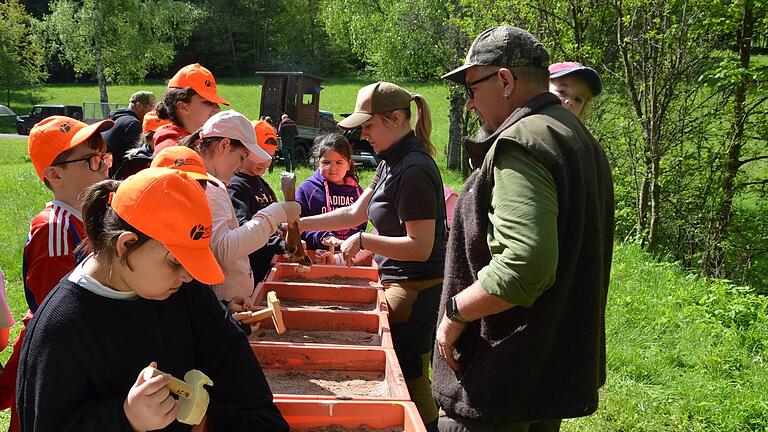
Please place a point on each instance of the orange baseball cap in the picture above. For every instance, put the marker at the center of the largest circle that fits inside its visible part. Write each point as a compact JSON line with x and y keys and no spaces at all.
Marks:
{"x":264,"y":131}
{"x":57,"y":134}
{"x":152,"y":122}
{"x":169,"y":206}
{"x":183,"y":159}
{"x":200,"y":79}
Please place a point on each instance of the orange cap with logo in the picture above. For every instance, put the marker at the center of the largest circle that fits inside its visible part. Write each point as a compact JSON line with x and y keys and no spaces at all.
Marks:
{"x":200,"y":79}
{"x":57,"y":134}
{"x":264,"y":131}
{"x":152,"y":122}
{"x":183,"y":159}
{"x":169,"y":206}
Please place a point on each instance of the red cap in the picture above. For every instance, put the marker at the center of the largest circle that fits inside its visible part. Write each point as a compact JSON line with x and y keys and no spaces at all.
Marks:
{"x":264,"y":131}
{"x":152,"y":122}
{"x":170,"y":206}
{"x":183,"y":159}
{"x":57,"y":134}
{"x":200,"y":79}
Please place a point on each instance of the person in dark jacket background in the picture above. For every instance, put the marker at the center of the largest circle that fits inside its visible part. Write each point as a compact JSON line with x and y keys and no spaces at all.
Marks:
{"x":127,"y":130}
{"x":250,"y":193}
{"x":333,"y":185}
{"x":288,"y":130}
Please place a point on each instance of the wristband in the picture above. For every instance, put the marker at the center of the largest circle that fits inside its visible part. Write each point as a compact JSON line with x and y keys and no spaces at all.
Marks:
{"x":360,"y":240}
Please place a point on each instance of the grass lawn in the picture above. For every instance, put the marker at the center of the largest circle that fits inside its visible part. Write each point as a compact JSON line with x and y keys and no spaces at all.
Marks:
{"x":683,"y":354}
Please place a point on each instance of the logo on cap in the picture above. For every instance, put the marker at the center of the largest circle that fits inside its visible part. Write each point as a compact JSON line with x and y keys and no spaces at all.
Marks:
{"x":200,"y":232}
{"x":208,"y":83}
{"x":65,"y":127}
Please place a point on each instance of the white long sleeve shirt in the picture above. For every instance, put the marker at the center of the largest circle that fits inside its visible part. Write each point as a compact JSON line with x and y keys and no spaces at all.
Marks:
{"x":231,"y":243}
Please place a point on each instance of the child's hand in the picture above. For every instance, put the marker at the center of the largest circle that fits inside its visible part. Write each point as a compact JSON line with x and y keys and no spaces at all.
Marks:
{"x":239,"y":304}
{"x":149,"y":404}
{"x":329,"y":241}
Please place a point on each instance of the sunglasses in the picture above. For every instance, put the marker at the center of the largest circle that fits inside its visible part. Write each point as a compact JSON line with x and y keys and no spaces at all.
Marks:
{"x":95,"y":161}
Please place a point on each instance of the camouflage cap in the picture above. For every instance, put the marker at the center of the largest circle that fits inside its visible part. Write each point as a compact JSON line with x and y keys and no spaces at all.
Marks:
{"x":144,"y":97}
{"x":504,"y":46}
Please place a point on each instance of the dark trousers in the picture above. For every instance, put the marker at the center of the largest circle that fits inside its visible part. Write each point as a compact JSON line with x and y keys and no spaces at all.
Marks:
{"x":462,"y":424}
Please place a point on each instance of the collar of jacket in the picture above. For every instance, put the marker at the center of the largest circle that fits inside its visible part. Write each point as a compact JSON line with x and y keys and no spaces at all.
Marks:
{"x":477,"y":149}
{"x":407,"y":144}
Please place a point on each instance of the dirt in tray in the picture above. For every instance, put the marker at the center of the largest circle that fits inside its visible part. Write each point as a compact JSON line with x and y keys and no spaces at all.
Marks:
{"x":361,"y":428}
{"x":332,"y":280}
{"x":326,"y":383}
{"x":318,"y":336}
{"x":327,"y":305}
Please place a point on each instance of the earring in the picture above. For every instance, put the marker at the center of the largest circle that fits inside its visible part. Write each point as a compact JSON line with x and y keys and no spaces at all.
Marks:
{"x":506,"y":96}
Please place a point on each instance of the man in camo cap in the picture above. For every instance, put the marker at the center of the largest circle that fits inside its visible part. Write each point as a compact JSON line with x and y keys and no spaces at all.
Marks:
{"x":521,"y":336}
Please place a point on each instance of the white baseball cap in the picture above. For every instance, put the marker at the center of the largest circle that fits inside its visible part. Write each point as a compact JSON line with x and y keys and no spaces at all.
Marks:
{"x":233,"y":125}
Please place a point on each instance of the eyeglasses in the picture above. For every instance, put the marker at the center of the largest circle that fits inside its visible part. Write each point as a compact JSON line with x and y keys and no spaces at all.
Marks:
{"x":468,"y":86}
{"x":95,"y":161}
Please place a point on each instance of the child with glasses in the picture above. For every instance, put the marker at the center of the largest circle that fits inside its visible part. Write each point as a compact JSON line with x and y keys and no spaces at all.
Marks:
{"x":69,"y":156}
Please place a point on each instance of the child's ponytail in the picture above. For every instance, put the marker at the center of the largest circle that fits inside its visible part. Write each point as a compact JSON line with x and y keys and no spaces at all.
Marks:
{"x":96,"y":211}
{"x":102,"y":225}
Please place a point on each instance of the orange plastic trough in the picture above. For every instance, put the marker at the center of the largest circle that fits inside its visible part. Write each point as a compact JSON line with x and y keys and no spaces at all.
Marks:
{"x":310,"y":320}
{"x":358,"y":297}
{"x":374,"y":362}
{"x":282,"y":271}
{"x":304,"y":415}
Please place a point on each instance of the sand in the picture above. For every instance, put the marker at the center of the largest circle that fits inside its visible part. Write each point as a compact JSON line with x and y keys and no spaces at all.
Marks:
{"x":326,"y":383}
{"x":332,"y":280}
{"x":327,"y":305}
{"x":318,"y":336}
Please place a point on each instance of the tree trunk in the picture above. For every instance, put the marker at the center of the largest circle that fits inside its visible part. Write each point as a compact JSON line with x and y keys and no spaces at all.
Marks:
{"x":714,"y":261}
{"x":456,"y":129}
{"x":103,"y":97}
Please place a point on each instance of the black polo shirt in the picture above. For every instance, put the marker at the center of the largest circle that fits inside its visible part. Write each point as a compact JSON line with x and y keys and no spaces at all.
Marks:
{"x":407,"y":187}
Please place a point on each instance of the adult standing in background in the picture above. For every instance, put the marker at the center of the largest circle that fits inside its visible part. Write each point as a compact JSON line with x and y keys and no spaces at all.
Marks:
{"x":521,"y":335}
{"x":288,"y":130}
{"x":127,"y":130}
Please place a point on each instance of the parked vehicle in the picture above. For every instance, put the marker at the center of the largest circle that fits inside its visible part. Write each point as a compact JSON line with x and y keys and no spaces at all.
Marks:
{"x":24,"y":123}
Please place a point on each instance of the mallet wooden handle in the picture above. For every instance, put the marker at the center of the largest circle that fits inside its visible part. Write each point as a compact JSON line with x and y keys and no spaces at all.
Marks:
{"x":176,"y":386}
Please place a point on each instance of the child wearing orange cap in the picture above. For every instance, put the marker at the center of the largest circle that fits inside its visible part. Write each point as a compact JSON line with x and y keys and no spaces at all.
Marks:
{"x":68,"y":156}
{"x":149,"y":238}
{"x":225,"y":142}
{"x":250,"y":193}
{"x":190,"y":99}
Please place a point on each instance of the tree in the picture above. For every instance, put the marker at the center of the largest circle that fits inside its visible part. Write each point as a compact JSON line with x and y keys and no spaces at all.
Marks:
{"x":406,"y":39}
{"x":22,"y":59}
{"x":119,"y":40}
{"x":737,"y":21}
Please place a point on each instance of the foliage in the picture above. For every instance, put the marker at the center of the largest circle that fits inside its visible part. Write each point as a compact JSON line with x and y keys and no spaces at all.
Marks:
{"x":22,"y":59}
{"x":119,"y":40}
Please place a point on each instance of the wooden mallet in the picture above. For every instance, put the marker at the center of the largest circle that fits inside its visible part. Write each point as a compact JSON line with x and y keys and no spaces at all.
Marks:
{"x":294,"y":250}
{"x":193,"y":397}
{"x":272,"y":310}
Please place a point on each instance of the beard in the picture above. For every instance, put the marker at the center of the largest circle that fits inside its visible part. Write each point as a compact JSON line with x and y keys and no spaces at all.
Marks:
{"x":483,"y":133}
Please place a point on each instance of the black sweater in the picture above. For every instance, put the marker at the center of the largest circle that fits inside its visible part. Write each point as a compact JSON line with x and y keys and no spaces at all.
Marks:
{"x":82,"y":353}
{"x":250,"y":194}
